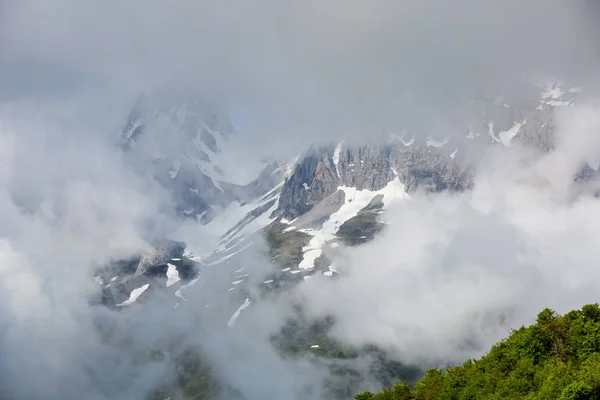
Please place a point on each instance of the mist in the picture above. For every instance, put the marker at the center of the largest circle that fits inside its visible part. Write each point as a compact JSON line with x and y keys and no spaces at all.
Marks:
{"x":453,"y":274}
{"x":450,"y":275}
{"x":307,"y":70}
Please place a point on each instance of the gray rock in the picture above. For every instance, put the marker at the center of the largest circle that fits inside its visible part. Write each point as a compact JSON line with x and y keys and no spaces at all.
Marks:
{"x":369,"y":167}
{"x":429,"y":165}
{"x":365,"y":167}
{"x":314,"y":179}
{"x":420,"y":167}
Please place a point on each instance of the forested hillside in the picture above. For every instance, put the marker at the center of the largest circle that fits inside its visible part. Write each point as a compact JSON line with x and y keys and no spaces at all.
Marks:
{"x":556,"y":358}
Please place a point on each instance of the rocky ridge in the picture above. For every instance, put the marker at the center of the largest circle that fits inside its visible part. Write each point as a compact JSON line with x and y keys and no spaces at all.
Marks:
{"x":313,"y":195}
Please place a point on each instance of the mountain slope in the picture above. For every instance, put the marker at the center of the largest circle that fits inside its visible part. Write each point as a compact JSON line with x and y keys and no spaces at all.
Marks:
{"x":194,"y":151}
{"x":332,"y":196}
{"x":335,"y":195}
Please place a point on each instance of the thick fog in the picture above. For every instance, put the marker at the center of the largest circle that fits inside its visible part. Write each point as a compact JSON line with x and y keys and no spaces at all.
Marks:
{"x":293,"y":71}
{"x":452,"y":274}
{"x":449,"y":276}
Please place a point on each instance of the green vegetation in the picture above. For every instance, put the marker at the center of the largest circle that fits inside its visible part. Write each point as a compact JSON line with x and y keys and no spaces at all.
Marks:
{"x":285,"y":248}
{"x":556,"y":358}
{"x":361,"y":228}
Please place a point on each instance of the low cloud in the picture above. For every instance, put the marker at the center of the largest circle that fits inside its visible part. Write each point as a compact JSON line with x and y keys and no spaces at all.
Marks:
{"x":452,"y":274}
{"x":68,"y":205}
{"x":294,"y":72}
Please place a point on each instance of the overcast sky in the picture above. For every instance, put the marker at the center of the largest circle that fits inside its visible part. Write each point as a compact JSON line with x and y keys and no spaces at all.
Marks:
{"x":290,"y":68}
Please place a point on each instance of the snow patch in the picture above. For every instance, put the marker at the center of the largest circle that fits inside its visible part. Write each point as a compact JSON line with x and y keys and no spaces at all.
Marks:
{"x":355,"y":200}
{"x":172,"y":275}
{"x":237,"y":313}
{"x":506,"y":136}
{"x":135,"y":294}
{"x":310,"y":254}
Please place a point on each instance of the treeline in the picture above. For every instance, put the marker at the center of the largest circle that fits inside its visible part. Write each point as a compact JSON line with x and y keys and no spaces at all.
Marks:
{"x":556,"y":358}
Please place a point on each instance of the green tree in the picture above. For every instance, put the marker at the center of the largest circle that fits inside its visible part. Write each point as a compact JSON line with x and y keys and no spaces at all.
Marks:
{"x":364,"y":396}
{"x":576,"y":391}
{"x":558,"y":357}
{"x":546,"y":316}
{"x":430,"y":385}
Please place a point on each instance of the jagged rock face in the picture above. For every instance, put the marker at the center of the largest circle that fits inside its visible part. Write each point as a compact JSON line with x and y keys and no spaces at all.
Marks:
{"x":365,"y":167}
{"x":369,"y":167}
{"x":420,"y":167}
{"x":523,"y":114}
{"x":314,"y":178}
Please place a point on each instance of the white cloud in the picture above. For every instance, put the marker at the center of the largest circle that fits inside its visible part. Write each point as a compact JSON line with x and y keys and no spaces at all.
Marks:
{"x":298,"y":69}
{"x":452,"y":274}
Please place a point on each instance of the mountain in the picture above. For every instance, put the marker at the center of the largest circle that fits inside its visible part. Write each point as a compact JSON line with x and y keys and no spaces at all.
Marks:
{"x":337,"y":194}
{"x":193,"y":151}
{"x":332,"y":195}
{"x":306,"y":211}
